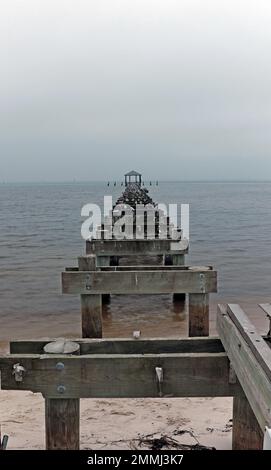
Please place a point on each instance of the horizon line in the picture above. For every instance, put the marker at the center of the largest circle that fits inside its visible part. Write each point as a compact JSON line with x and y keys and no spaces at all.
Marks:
{"x":147,"y":181}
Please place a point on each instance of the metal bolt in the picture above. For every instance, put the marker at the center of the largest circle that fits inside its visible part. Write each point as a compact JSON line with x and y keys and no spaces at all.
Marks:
{"x":18,"y":372}
{"x":60,"y":366}
{"x":160,"y":378}
{"x":88,"y":284}
{"x":61,"y":389}
{"x":202,"y":282}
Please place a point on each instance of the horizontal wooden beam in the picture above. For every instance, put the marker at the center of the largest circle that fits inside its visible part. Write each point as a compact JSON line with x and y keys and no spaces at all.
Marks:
{"x":249,"y":356}
{"x":84,"y":260}
{"x":126,"y":346}
{"x":139,"y":282}
{"x":136,"y":247}
{"x":120,"y":376}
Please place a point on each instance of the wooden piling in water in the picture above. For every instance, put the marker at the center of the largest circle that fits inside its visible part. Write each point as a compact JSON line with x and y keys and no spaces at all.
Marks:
{"x":91,"y":312}
{"x":198,"y":315}
{"x":178,"y":260}
{"x":250,"y":357}
{"x":91,"y":304}
{"x":103,"y":261}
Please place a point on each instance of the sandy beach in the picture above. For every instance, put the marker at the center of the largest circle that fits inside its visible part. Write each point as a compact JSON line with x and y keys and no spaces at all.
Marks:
{"x":123,"y":424}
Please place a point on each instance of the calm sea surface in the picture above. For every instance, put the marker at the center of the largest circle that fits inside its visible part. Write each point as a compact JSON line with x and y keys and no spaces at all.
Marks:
{"x":40,"y":224}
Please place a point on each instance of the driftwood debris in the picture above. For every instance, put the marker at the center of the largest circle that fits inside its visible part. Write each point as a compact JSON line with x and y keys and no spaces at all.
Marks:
{"x":164,"y":441}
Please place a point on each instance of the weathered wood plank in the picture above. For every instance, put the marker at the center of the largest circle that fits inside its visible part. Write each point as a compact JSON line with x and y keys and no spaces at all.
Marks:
{"x":139,"y":282}
{"x":178,"y":260}
{"x":139,"y":267}
{"x":136,"y":247}
{"x":91,"y":305}
{"x":246,"y":432}
{"x":104,"y":261}
{"x":198,"y":315}
{"x":266,"y":308}
{"x":143,"y":267}
{"x":62,"y":424}
{"x":87,"y":263}
{"x":121,"y":376}
{"x":91,"y":316}
{"x":249,"y":371}
{"x":252,"y":337}
{"x":127,"y":346}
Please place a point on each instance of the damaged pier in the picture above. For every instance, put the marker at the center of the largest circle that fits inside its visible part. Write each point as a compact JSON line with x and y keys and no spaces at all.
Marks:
{"x":236,"y":364}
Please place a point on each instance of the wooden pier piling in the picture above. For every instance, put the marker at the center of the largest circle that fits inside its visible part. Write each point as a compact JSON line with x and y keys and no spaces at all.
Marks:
{"x":62,"y":423}
{"x":103,"y":261}
{"x":91,"y":305}
{"x":246,"y":432}
{"x":91,"y":310}
{"x":198,"y":315}
{"x":178,"y":260}
{"x":250,"y":358}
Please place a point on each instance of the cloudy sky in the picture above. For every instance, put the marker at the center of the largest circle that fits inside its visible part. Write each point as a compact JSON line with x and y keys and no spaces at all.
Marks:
{"x":178,"y":89}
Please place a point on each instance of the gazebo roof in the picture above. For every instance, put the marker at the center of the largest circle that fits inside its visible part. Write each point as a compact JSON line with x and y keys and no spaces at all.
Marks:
{"x":133,"y":173}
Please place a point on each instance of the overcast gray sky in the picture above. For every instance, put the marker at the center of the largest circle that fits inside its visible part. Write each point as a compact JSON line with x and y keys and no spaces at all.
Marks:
{"x":178,"y":89}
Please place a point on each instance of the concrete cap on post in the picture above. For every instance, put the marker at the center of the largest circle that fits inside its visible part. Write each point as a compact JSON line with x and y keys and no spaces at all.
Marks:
{"x":62,"y":346}
{"x":199,"y":268}
{"x":87,"y":263}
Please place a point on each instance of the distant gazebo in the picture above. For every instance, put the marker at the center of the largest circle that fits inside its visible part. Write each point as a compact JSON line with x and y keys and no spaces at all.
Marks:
{"x":133,"y":177}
